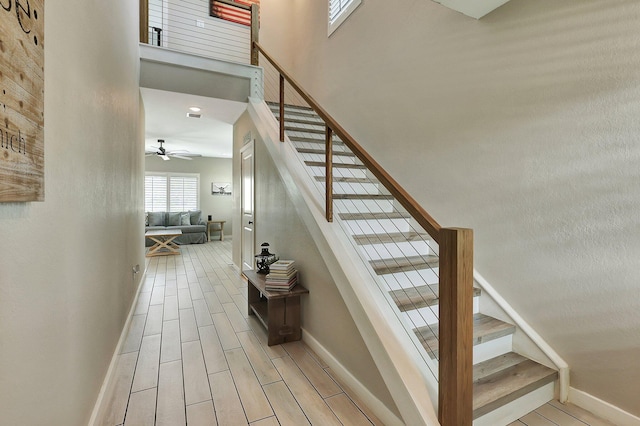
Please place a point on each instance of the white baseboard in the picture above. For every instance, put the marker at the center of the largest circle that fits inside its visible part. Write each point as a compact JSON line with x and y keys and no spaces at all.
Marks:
{"x":108,"y":379}
{"x":602,"y":408}
{"x":373,"y":403}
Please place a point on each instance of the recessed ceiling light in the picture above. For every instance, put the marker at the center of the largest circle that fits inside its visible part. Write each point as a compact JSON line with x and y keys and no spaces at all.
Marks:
{"x":194,"y":109}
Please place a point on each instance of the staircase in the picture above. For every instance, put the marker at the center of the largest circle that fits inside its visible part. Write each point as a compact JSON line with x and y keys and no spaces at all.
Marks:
{"x":506,"y":385}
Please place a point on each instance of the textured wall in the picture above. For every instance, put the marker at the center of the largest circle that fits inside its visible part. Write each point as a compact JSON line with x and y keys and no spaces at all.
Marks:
{"x":66,"y":281}
{"x":524,"y":126}
{"x":210,"y":170}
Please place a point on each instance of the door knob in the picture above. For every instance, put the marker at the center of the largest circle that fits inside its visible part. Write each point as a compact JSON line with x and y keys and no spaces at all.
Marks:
{"x":250,"y":223}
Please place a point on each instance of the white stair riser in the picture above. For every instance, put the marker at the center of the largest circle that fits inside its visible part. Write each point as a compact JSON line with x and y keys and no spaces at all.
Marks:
{"x":355,"y":188}
{"x":411,"y":278}
{"x":377,"y":226}
{"x":428,"y":315}
{"x":344,"y":159}
{"x":492,"y":348}
{"x":362,"y":206}
{"x":394,"y":250}
{"x":338,"y":172}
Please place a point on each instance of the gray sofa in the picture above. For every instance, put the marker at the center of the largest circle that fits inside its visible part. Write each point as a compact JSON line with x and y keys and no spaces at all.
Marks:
{"x":194,"y":229}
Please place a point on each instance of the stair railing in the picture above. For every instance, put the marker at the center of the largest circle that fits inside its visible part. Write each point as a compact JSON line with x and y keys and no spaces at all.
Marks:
{"x":455,"y":404}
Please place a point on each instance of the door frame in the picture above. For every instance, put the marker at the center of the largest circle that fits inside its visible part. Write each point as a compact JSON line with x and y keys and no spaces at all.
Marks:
{"x":249,"y":146}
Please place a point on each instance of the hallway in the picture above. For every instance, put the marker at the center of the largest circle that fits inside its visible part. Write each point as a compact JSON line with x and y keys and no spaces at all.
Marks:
{"x":192,"y":356}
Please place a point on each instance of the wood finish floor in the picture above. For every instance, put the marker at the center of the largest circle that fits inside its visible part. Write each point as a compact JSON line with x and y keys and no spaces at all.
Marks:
{"x":193,"y":356}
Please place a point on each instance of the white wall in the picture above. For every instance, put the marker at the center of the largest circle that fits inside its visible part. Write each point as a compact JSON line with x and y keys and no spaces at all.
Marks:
{"x":522,"y":126}
{"x":66,"y":281}
{"x":216,"y":38}
{"x":210,"y":170}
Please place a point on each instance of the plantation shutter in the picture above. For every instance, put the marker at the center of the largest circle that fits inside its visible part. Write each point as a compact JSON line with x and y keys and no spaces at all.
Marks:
{"x":339,"y":11}
{"x":155,"y":193}
{"x":184,"y":193}
{"x":171,"y":192}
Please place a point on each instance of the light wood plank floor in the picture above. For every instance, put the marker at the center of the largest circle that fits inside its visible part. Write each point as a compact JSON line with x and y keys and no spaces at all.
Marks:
{"x":193,"y":356}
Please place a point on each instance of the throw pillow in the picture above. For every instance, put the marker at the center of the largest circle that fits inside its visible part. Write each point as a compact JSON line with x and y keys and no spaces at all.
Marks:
{"x":174,"y":219}
{"x":195,"y":216}
{"x":156,"y":218}
{"x":185,"y":219}
{"x":146,"y":219}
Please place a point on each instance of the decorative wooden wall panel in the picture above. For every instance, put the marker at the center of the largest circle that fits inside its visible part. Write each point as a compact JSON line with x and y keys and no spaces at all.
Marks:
{"x":21,"y":100}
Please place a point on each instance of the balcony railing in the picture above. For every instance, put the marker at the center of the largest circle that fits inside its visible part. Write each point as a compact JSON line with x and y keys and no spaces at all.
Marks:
{"x":219,"y":29}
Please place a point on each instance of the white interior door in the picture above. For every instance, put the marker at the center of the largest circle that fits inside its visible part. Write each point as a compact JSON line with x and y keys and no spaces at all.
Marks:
{"x":247,"y":209}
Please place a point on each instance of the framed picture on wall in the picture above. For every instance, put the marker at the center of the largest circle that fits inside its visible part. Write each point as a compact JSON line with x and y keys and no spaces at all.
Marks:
{"x":223,"y":188}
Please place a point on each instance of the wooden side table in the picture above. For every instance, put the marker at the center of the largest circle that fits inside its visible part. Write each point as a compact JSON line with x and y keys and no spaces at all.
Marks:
{"x":220,"y":228}
{"x":278,"y":311}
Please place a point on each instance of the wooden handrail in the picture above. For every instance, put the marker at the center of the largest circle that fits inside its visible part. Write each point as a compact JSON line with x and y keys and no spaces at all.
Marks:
{"x":421,"y":216}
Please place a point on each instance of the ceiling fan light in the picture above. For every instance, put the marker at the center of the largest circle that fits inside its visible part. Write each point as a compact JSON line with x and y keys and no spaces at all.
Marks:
{"x":164,"y":157}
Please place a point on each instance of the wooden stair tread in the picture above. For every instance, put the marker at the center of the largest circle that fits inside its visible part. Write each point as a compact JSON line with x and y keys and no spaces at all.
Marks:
{"x":518,"y":377}
{"x":485,"y":329}
{"x":395,"y":237}
{"x":404,"y":264}
{"x":347,"y":179}
{"x":362,"y":197}
{"x":337,"y":165}
{"x":408,"y":299}
{"x":374,"y":216}
{"x":322,"y":152}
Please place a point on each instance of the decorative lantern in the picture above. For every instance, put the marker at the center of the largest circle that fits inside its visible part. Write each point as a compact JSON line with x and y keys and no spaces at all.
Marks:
{"x":264,"y":259}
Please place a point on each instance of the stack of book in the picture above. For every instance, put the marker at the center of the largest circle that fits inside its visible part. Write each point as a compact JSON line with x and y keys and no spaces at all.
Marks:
{"x":282,"y":276}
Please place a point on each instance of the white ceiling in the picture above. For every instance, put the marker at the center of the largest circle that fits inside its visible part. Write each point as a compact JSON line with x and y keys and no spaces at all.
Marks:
{"x":166,"y":118}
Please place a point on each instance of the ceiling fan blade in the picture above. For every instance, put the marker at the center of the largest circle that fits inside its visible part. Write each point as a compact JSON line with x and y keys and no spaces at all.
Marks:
{"x":164,"y":157}
{"x":181,"y":157}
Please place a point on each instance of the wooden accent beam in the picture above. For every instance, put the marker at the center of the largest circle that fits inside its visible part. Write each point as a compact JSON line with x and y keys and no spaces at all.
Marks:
{"x":144,"y":21}
{"x":255,"y":31}
{"x":455,"y":396}
{"x":281,"y":108}
{"x":421,"y":216}
{"x":329,"y":173}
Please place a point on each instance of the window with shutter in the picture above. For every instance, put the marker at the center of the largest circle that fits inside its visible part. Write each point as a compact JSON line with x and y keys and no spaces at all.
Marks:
{"x":171,"y":192}
{"x":339,"y":10}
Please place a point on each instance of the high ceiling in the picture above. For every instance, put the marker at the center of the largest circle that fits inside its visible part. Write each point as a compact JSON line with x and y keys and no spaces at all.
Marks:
{"x":166,"y":118}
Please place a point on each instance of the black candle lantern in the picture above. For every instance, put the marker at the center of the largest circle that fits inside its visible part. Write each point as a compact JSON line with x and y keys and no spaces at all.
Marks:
{"x":264,"y":259}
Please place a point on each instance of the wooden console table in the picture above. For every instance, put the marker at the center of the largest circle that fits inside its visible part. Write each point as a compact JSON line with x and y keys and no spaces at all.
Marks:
{"x":220,"y":228}
{"x":278,"y":311}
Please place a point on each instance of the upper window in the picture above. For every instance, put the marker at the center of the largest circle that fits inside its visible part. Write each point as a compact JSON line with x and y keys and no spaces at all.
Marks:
{"x":339,"y":11}
{"x":171,"y":192}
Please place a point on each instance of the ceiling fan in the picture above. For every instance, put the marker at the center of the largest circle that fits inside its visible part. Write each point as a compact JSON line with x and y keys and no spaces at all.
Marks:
{"x":167,"y":155}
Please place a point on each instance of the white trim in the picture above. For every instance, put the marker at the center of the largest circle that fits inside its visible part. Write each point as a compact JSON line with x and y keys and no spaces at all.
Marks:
{"x":563,"y":367}
{"x":94,"y":420}
{"x":602,"y":408}
{"x":332,"y":26}
{"x":373,"y":403}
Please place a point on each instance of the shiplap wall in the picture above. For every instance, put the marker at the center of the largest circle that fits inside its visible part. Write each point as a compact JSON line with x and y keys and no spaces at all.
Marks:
{"x":214,"y":37}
